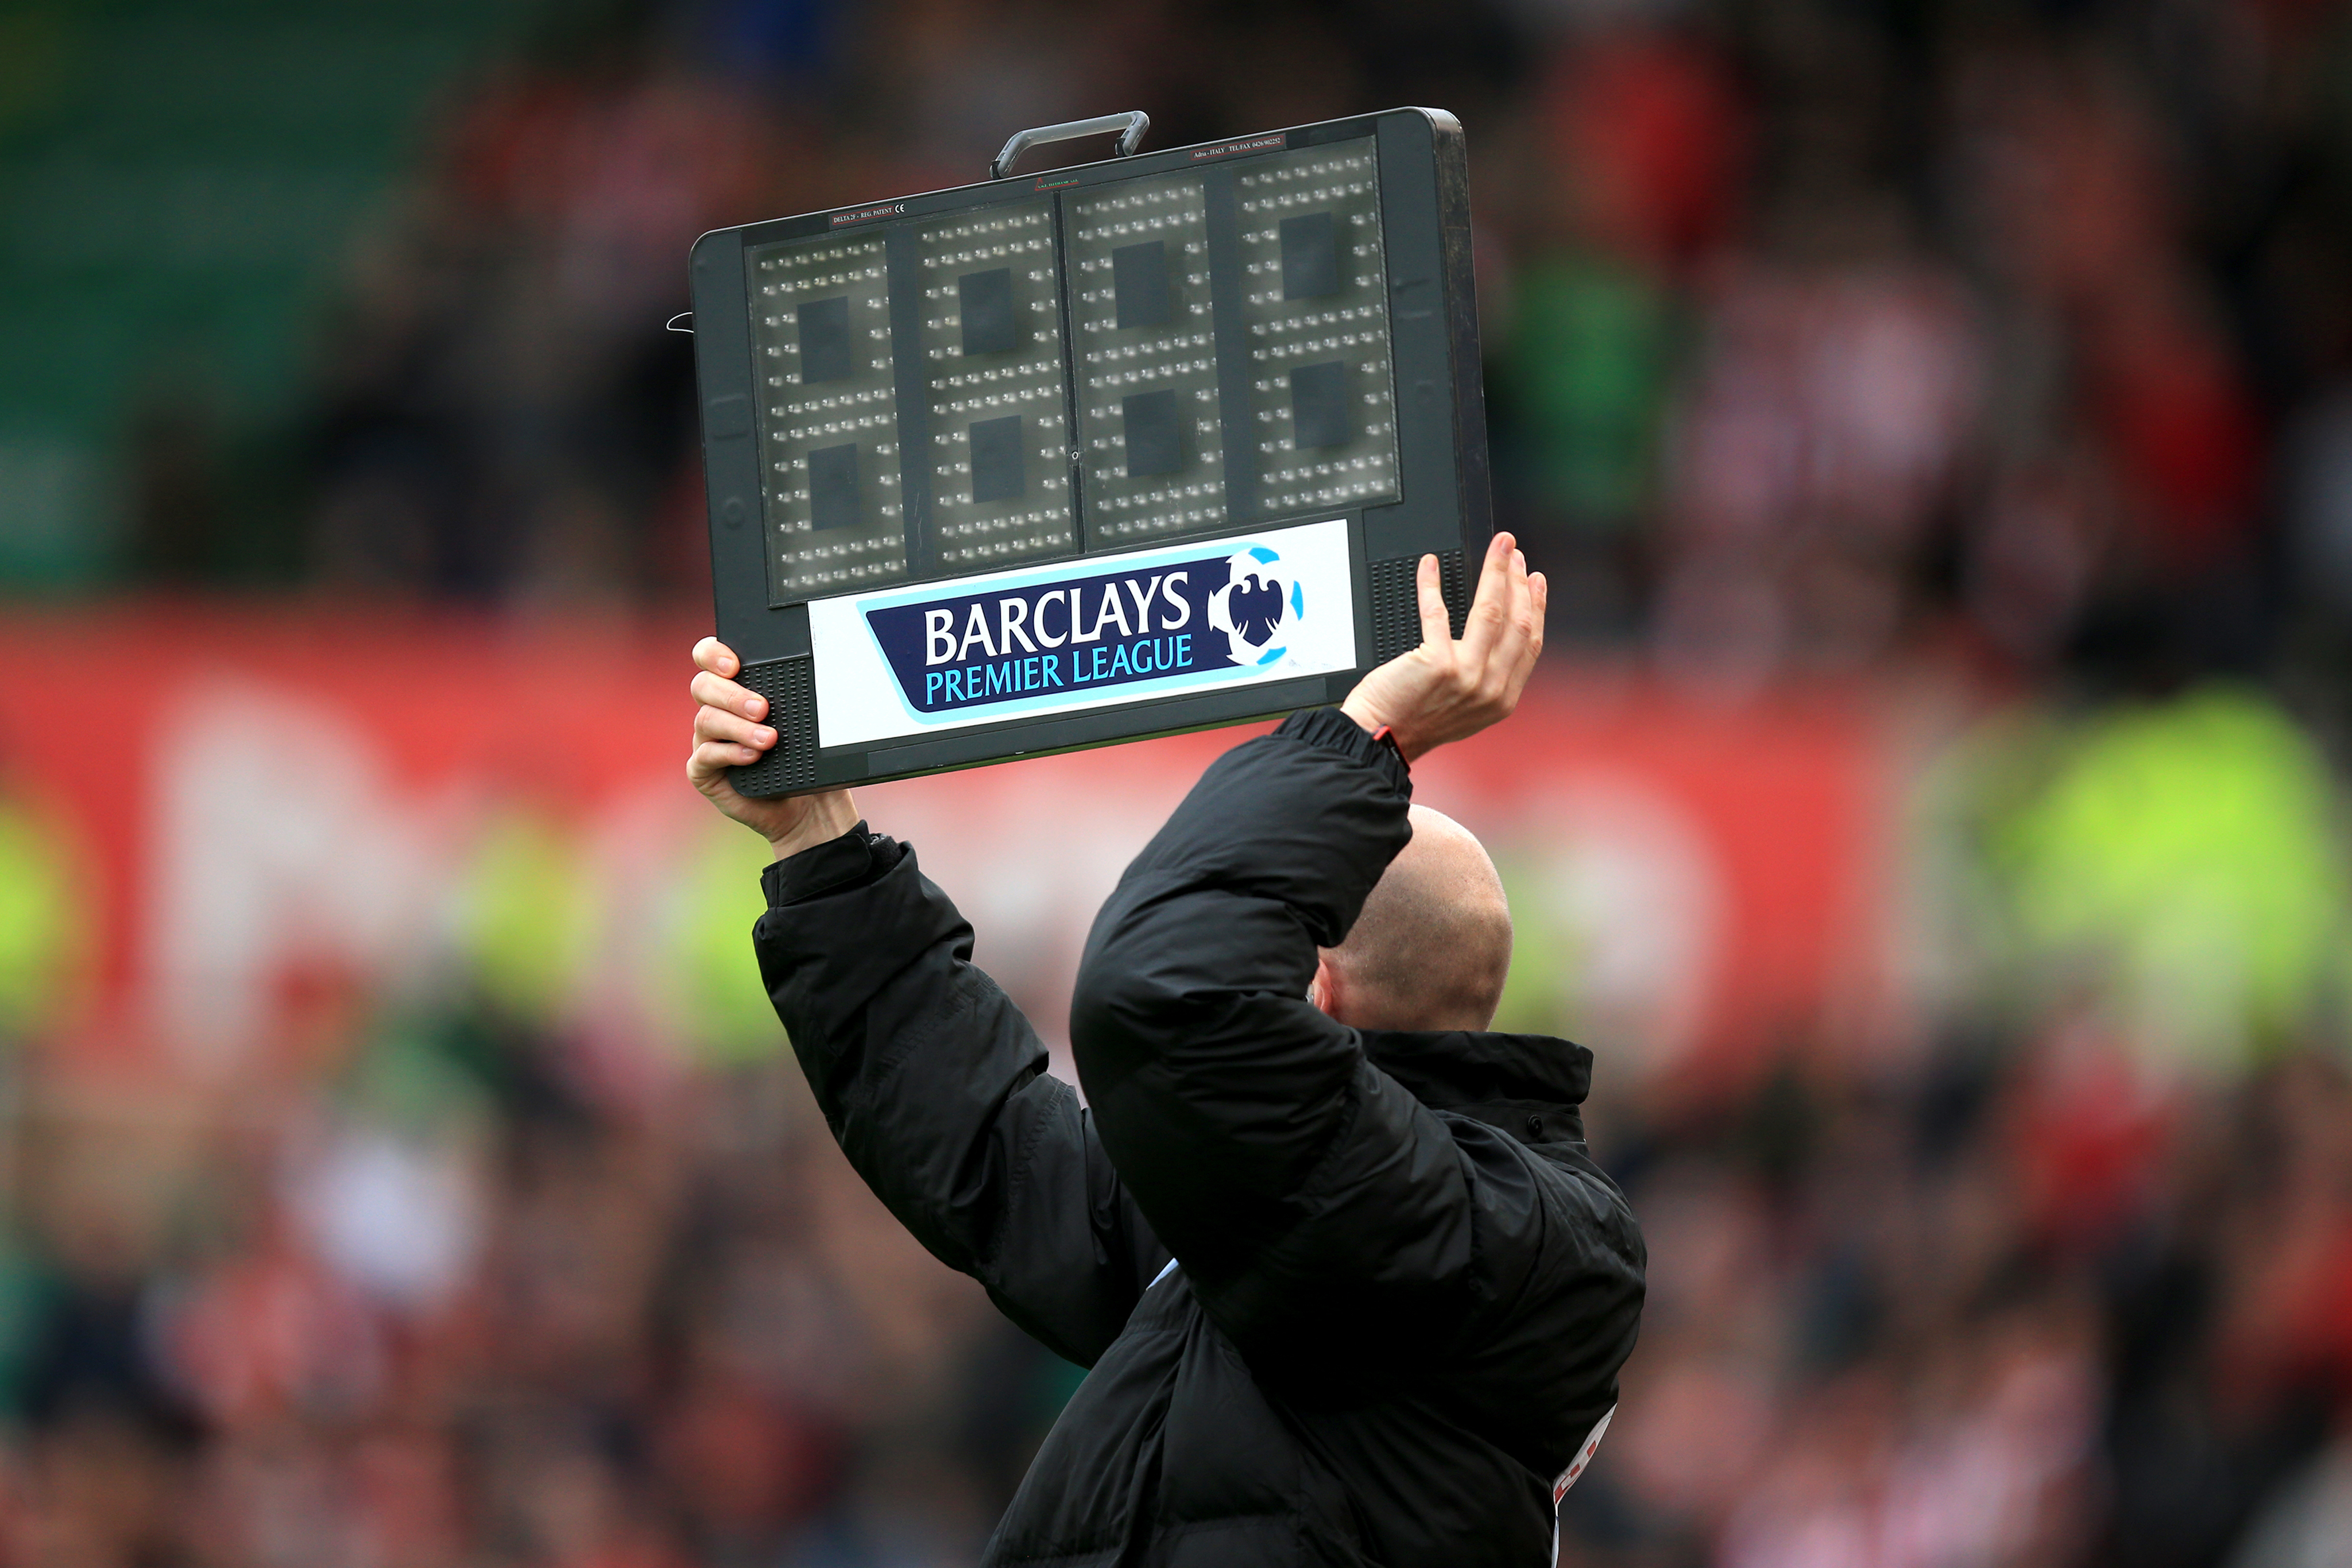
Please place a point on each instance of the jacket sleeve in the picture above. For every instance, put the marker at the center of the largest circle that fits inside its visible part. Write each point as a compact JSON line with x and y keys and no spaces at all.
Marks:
{"x":1325,"y":1216}
{"x":935,"y":1086}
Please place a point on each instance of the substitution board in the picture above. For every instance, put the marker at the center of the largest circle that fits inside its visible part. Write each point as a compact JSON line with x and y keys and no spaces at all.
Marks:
{"x":1136,"y":447}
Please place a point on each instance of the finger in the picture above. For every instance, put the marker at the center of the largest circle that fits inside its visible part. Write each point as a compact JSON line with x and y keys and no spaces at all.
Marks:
{"x":716,"y":657}
{"x":711,"y":760}
{"x":1523,"y":596}
{"x":713,"y":691}
{"x":717,"y":724}
{"x":1530,"y":643}
{"x":1436,"y":627}
{"x":1486,"y":608}
{"x":1508,"y":650}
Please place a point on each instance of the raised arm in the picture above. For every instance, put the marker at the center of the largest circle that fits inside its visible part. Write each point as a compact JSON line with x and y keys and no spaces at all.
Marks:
{"x":1313,"y":1202}
{"x":930,"y":1079}
{"x":1230,"y":1103}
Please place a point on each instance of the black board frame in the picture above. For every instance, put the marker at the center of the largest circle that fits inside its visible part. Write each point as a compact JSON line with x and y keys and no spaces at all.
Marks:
{"x":1443,"y":507}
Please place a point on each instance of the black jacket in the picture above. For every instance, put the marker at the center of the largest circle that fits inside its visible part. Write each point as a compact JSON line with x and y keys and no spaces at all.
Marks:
{"x":1347,"y":1298}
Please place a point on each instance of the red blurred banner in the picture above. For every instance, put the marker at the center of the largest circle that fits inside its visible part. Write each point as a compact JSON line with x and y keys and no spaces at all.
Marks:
{"x":230,"y":798}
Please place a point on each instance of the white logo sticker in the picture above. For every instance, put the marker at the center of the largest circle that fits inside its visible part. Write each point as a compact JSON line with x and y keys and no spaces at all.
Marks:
{"x":1583,"y":1458}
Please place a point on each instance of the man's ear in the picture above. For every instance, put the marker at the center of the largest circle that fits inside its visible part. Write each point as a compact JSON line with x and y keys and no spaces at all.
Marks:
{"x":1323,"y":990}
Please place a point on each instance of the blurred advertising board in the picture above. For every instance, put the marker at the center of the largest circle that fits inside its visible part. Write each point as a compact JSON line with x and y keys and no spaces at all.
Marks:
{"x":217,"y":838}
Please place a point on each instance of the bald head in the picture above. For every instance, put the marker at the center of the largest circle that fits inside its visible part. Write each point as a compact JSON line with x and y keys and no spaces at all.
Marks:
{"x":1430,"y":948}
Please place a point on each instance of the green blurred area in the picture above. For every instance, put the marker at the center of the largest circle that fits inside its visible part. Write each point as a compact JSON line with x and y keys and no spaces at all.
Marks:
{"x":1588,"y":365}
{"x":179,"y":181}
{"x":47,"y":927}
{"x":2176,"y":867}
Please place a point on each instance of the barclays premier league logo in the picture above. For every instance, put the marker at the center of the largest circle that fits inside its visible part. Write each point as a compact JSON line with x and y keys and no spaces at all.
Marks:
{"x":1258,"y":604}
{"x":1176,"y":621}
{"x":1271,"y":609}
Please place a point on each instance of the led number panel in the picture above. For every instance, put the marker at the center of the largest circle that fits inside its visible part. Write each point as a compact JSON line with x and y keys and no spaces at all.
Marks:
{"x":1323,"y":399}
{"x":1153,"y":441}
{"x":993,"y":376}
{"x":828,"y":417}
{"x":1085,"y":453}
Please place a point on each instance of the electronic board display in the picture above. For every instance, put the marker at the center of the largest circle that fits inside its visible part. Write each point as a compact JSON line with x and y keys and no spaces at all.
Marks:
{"x":1116,"y":450}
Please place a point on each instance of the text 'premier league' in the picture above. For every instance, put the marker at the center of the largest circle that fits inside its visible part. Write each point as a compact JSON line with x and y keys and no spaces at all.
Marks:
{"x":1198,"y":617}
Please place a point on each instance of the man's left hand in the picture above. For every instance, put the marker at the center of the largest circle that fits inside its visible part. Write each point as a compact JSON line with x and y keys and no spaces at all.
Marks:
{"x":727,"y":733}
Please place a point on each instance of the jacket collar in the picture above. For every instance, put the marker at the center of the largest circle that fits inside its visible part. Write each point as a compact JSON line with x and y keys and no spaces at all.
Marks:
{"x":1473,"y":1072}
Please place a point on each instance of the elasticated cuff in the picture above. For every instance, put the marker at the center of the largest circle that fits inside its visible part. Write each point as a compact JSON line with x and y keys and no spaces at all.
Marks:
{"x":1333,"y":730}
{"x":857,"y":856}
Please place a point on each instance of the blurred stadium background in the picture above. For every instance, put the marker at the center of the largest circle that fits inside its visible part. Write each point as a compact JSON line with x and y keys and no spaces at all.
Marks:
{"x":1935,"y":416}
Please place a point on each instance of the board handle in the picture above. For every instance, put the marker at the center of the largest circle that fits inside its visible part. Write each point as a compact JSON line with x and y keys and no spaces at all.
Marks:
{"x":1131,"y":127}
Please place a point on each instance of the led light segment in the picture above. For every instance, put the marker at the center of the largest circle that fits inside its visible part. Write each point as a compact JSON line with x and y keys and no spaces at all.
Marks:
{"x":1147,"y":370}
{"x":828,"y":417}
{"x":993,"y":368}
{"x":1322,"y":391}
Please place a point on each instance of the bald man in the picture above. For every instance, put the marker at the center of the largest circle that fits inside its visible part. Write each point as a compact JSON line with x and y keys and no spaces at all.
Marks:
{"x":1431,"y":946}
{"x":1348,"y":1287}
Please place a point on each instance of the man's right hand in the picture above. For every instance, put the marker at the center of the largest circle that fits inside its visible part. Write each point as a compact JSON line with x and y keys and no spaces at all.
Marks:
{"x":727,"y":733}
{"x":1449,"y":687}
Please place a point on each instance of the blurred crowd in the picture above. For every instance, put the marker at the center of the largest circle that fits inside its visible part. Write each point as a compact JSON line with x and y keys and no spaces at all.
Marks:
{"x":1817,"y":332}
{"x":450,"y":1300}
{"x":2009,"y":340}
